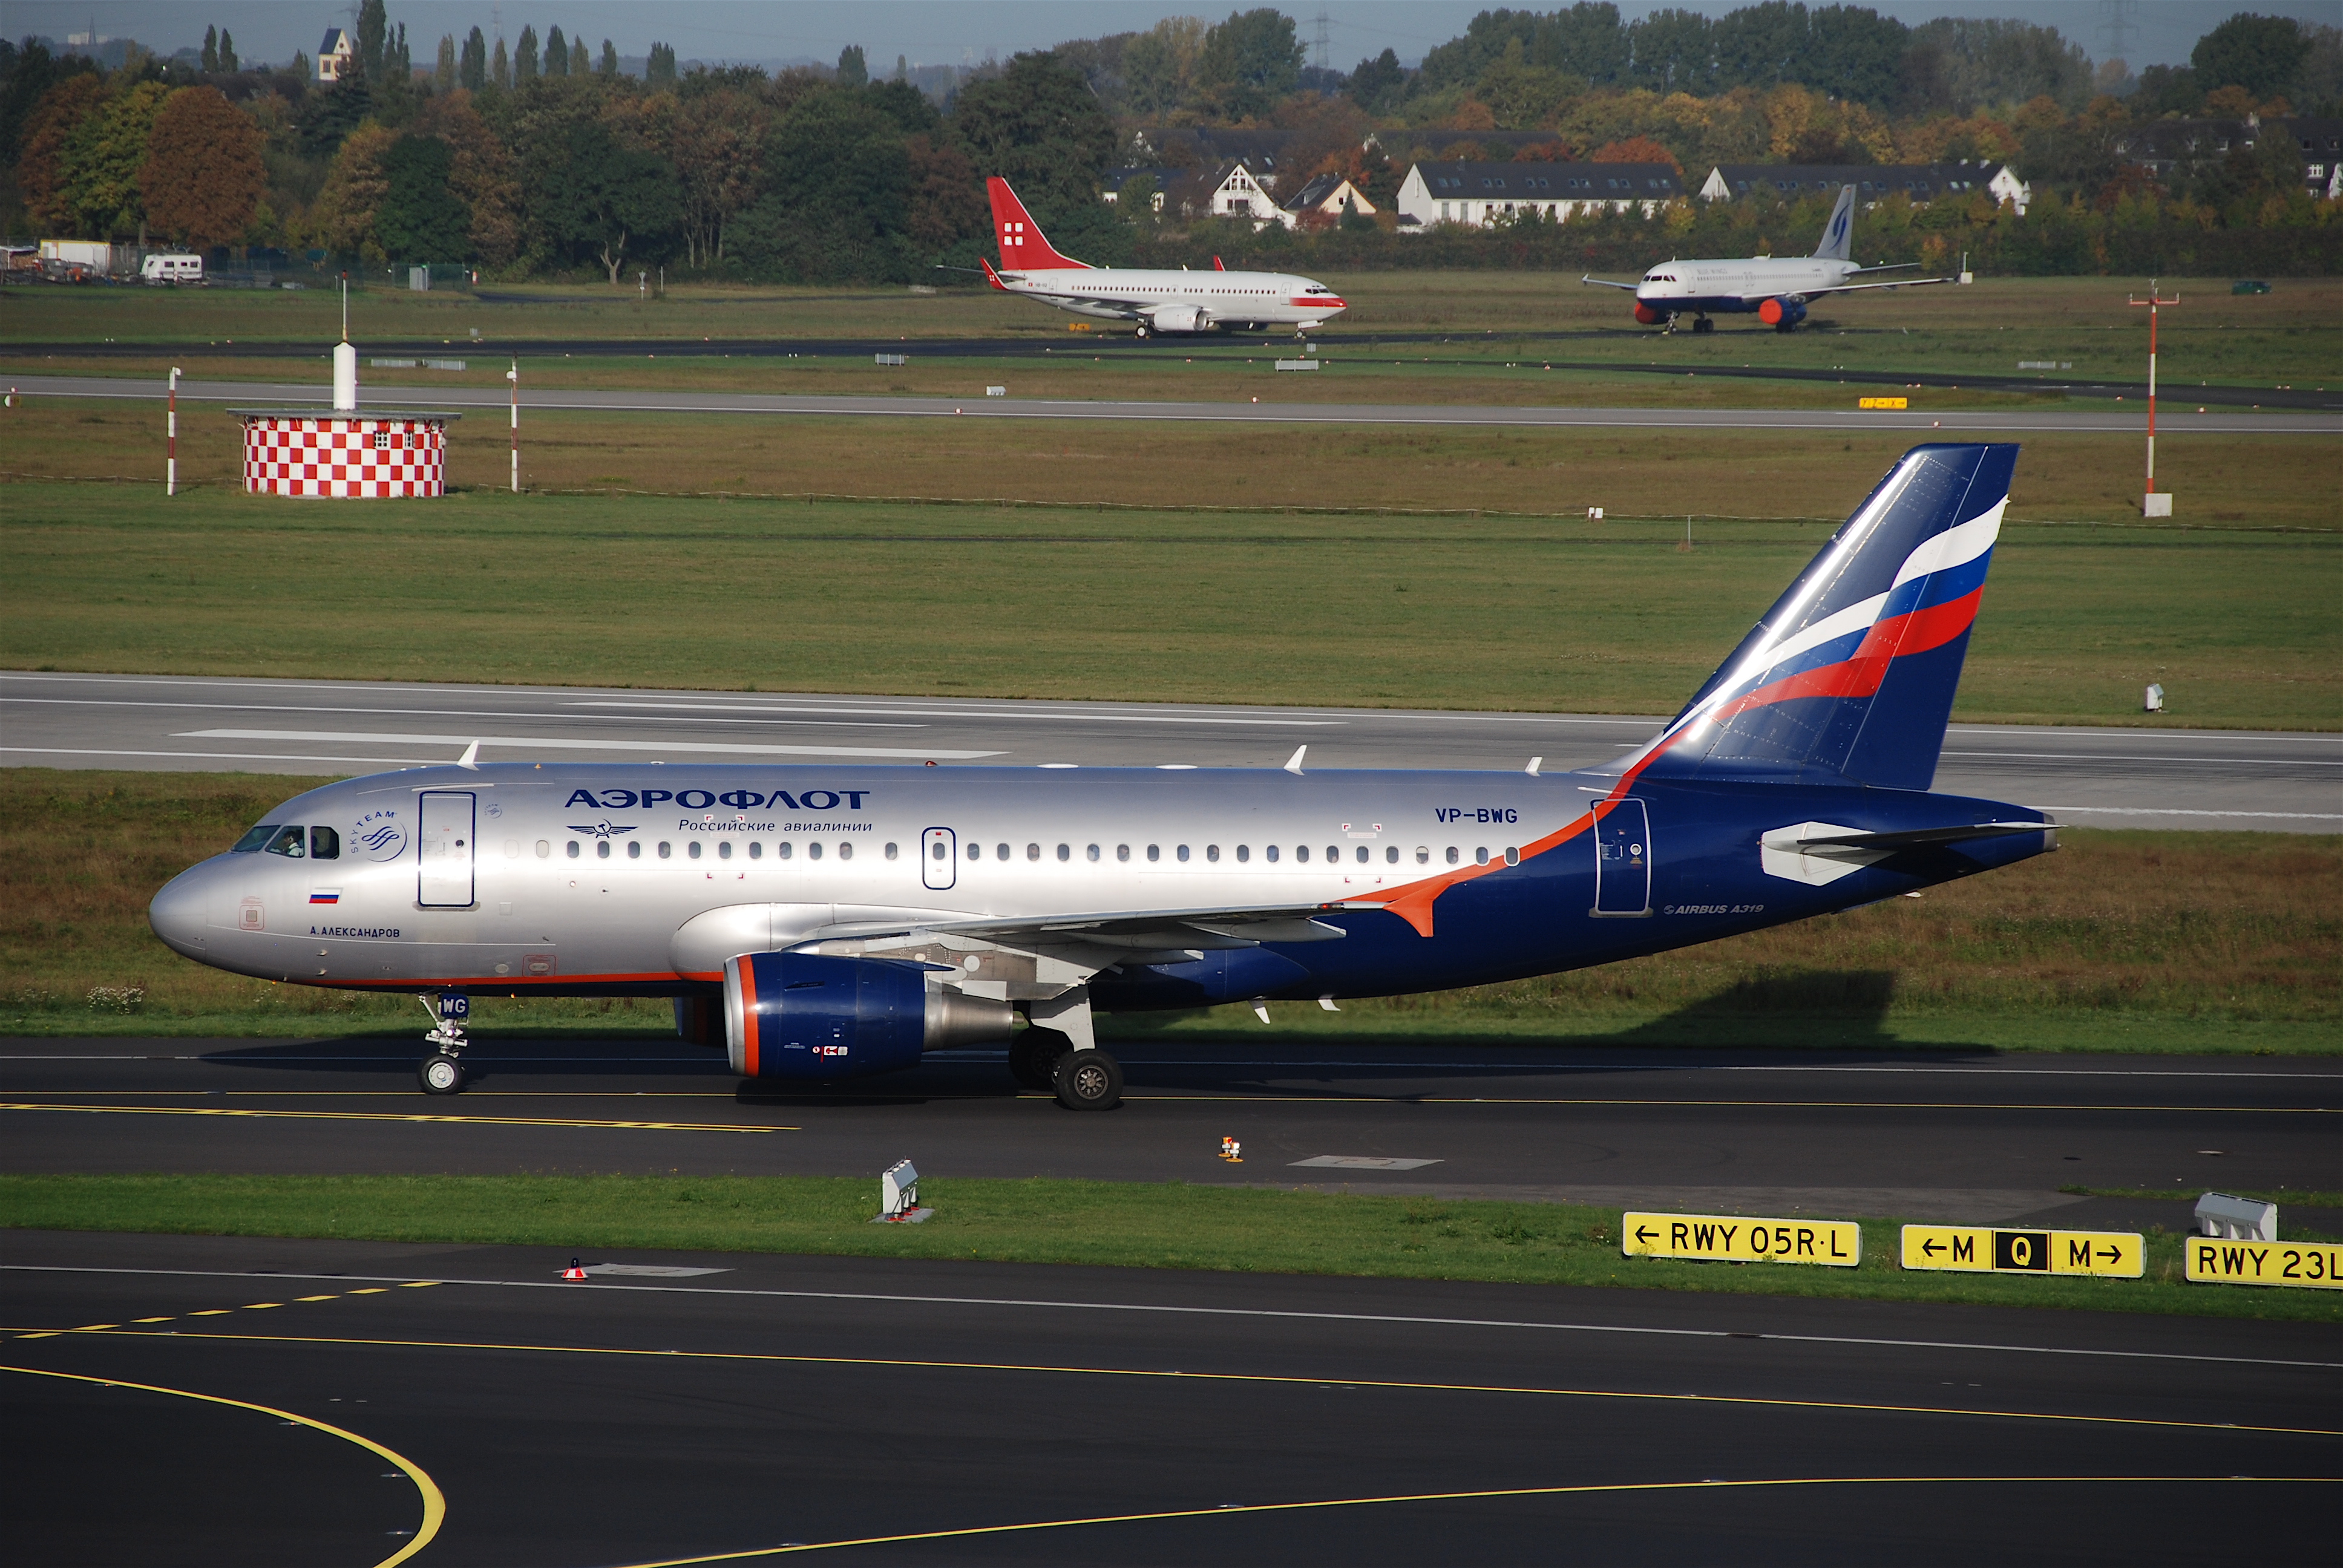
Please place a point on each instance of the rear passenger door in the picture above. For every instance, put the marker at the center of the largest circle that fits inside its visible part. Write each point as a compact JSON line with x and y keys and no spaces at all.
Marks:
{"x":445,"y":845}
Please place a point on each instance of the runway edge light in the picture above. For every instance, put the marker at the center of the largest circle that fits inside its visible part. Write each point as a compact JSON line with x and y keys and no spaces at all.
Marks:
{"x":1739,"y":1238}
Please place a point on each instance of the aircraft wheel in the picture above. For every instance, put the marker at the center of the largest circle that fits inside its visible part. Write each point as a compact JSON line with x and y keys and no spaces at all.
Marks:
{"x":1139,"y":332}
{"x":441,"y":1074}
{"x":1090,"y":1080}
{"x":1703,"y":324}
{"x":1786,"y":327}
{"x":1034,"y":1055}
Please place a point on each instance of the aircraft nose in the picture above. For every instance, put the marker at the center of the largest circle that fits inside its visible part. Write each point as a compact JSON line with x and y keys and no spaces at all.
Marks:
{"x":177,"y":913}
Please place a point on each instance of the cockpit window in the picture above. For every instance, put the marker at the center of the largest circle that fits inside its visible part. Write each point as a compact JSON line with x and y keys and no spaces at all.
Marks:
{"x":324,"y":844}
{"x":254,"y":838}
{"x":288,"y":842}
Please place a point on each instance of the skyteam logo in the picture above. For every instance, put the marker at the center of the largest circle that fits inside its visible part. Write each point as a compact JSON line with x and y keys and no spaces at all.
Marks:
{"x":379,"y":834}
{"x":600,"y":830}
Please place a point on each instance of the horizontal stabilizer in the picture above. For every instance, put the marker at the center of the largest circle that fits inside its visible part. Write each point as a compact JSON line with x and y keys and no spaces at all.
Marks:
{"x":1914,"y":838}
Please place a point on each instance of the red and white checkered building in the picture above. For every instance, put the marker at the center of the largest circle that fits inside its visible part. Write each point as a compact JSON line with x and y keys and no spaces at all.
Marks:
{"x":297,"y":452}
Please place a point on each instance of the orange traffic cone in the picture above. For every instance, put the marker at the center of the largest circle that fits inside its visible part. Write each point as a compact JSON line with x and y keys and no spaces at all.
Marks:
{"x":1231,"y":1151}
{"x":574,"y":1272}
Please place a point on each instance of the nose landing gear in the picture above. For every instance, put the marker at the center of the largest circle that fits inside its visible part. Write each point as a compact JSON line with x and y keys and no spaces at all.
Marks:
{"x":442,"y":1072}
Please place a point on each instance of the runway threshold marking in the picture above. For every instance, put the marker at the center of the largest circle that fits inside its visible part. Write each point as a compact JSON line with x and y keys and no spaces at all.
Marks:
{"x":394,"y":1116}
{"x":1234,"y":1510}
{"x":434,"y":1505}
{"x":894,"y":1364}
{"x":217,"y":1312}
{"x":1043,"y":1303}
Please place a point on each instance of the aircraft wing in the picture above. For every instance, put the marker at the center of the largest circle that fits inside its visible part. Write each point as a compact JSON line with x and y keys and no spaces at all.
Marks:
{"x":1138,"y":929}
{"x":1851,"y":287}
{"x":1606,"y":283}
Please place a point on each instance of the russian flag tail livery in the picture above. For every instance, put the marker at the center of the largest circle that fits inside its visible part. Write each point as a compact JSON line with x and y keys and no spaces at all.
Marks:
{"x":1850,"y":677}
{"x":1839,"y":235}
{"x":1023,"y":247}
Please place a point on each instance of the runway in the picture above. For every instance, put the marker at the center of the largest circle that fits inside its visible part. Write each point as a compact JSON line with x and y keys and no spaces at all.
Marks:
{"x":2172,"y":418}
{"x":2162,"y":779}
{"x":1942,"y":1135}
{"x":209,"y":1400}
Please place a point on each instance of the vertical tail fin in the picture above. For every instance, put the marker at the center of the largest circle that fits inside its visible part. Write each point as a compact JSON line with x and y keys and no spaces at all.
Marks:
{"x":1023,"y":247}
{"x":1839,"y":235}
{"x":1850,"y":675}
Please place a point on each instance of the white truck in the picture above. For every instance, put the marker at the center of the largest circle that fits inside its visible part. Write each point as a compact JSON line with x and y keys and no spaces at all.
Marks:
{"x":157,"y":269}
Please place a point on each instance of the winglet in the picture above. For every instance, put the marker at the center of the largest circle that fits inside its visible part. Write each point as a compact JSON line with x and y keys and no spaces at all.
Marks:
{"x":1294,"y":763}
{"x":471,"y":757}
{"x":1533,"y":767}
{"x":1218,"y":266}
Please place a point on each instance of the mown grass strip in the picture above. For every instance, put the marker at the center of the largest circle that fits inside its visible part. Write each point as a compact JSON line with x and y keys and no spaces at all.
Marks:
{"x":1240,"y":1230}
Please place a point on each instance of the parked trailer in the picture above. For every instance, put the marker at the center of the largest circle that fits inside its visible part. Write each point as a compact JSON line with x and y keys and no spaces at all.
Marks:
{"x":171,"y":269}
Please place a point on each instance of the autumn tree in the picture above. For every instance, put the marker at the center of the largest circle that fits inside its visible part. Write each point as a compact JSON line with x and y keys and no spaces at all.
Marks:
{"x":40,"y":171}
{"x":202,"y":177}
{"x":343,"y":218}
{"x":1634,"y":150}
{"x":100,"y":161}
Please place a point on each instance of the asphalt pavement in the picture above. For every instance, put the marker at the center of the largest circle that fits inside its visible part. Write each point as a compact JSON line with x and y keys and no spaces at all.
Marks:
{"x":2164,"y":779}
{"x":2173,"y":418}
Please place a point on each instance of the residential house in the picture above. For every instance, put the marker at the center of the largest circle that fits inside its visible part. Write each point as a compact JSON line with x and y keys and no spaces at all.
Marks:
{"x":1477,"y":193}
{"x":1323,"y":200}
{"x":1922,"y":183}
{"x":335,"y":55}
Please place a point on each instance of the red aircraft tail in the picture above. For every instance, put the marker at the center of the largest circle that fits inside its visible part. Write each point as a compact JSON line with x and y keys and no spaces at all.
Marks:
{"x":1023,"y":246}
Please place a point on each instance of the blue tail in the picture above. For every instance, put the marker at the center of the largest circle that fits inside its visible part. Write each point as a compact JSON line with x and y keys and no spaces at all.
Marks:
{"x":1850,"y":676}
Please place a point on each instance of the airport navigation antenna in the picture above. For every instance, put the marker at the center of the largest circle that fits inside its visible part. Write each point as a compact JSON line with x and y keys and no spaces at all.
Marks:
{"x":171,"y":447}
{"x":2153,"y":505}
{"x":513,"y":375}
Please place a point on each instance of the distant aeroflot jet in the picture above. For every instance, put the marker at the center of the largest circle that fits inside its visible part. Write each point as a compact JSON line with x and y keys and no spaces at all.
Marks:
{"x":1159,"y":301}
{"x":829,"y":922}
{"x":1775,"y":288}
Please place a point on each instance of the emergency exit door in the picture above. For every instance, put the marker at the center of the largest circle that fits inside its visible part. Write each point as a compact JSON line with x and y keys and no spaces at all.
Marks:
{"x":445,"y":843}
{"x":1622,"y":860}
{"x":938,"y":857}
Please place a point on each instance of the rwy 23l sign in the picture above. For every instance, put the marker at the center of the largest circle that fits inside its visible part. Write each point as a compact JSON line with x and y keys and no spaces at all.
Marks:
{"x":2316,"y":1265}
{"x":1970,"y":1249}
{"x":1836,"y":1243}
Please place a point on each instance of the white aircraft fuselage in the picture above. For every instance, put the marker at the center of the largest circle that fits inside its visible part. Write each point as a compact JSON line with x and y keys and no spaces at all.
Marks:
{"x":1181,"y":302}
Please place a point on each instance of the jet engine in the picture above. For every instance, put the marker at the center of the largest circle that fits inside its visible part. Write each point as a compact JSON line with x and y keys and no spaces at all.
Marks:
{"x":1648,"y":316}
{"x":1781,"y":315}
{"x":1181,"y":319}
{"x":802,"y":1015}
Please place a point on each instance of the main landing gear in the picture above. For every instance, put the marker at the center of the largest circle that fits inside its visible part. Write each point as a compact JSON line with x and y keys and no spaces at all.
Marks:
{"x":1703,"y":324}
{"x":1059,"y":1053}
{"x":442,"y":1072}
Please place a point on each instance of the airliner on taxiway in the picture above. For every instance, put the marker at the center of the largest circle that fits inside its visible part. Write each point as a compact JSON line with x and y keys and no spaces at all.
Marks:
{"x":829,"y":922}
{"x":1775,"y":288}
{"x":1156,"y":300}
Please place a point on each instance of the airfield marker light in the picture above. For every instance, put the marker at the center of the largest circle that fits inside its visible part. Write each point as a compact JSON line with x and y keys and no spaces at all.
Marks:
{"x":575,"y":1273}
{"x":2153,"y":505}
{"x":171,"y":439}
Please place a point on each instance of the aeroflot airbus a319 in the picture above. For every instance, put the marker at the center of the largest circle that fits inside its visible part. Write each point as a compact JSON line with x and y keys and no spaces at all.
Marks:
{"x":824,"y":923}
{"x":1157,"y":300}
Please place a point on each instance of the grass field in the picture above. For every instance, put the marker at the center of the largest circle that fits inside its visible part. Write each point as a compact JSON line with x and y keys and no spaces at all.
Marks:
{"x":1175,"y":1226}
{"x":2196,"y":942}
{"x":2293,"y":333}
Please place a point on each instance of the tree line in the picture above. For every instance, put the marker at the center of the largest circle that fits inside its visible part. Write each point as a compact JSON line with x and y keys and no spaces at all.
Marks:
{"x":549,"y":158}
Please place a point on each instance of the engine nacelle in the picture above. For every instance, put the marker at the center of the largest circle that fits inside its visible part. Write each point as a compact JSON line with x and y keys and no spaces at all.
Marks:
{"x":1181,"y":319}
{"x":802,"y":1015}
{"x":1782,"y":312}
{"x":1649,"y":315}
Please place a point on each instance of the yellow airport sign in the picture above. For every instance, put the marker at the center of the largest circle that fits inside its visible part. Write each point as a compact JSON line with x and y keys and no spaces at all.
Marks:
{"x":1737,"y":1239}
{"x":1980,"y":1250}
{"x":2312,"y":1265}
{"x":1882,"y":402}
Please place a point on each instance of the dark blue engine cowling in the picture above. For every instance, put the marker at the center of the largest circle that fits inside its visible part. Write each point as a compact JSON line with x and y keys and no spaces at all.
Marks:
{"x":803,"y":1015}
{"x":799,"y":1015}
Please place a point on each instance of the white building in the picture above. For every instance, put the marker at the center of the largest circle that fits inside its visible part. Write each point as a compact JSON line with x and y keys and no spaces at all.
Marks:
{"x":334,"y":55}
{"x":1474,"y":194}
{"x":1327,"y":196}
{"x":1923,"y":183}
{"x":1232,"y":191}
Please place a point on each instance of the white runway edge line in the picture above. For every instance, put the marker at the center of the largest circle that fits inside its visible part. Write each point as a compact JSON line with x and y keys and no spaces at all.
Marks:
{"x":1264,"y":1313}
{"x":222,"y":755}
{"x":532,"y":742}
{"x":2178,"y":812}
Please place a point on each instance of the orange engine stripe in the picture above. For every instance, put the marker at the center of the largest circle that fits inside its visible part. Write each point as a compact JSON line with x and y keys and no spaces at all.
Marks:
{"x":747,"y":1016}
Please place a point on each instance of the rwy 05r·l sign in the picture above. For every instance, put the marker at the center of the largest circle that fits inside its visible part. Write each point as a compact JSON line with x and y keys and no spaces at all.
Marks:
{"x":1732,"y":1238}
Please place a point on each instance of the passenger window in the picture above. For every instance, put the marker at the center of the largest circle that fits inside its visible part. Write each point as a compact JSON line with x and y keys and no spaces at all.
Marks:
{"x":1513,"y":856}
{"x":813,"y":850}
{"x":1390,"y":855}
{"x":1032,"y":851}
{"x":937,"y":851}
{"x":1452,"y":854}
{"x":543,"y":850}
{"x":570,"y":848}
{"x":1272,"y":853}
{"x":1001,"y":853}
{"x":602,"y":849}
{"x":1301,"y":853}
{"x":1424,"y":854}
{"x":1244,"y":852}
{"x":1154,"y":851}
{"x":976,"y":851}
{"x":724,"y":850}
{"x":1334,"y":853}
{"x":1065,"y":852}
{"x":253,"y":840}
{"x":1093,"y":851}
{"x":692,"y":849}
{"x":666,"y":850}
{"x":512,"y":849}
{"x":324,"y":844}
{"x":890,"y":851}
{"x":846,"y":852}
{"x":1122,"y":852}
{"x":756,"y":848}
{"x":634,"y":850}
{"x":1211,"y":851}
{"x":287,"y":843}
{"x":1481,"y":856}
{"x":785,"y":849}
{"x":1183,"y":852}
{"x":1363,"y":854}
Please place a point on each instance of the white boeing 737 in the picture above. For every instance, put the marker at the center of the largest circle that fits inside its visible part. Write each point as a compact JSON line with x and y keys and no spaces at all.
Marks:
{"x":1158,"y":300}
{"x":1774,"y":288}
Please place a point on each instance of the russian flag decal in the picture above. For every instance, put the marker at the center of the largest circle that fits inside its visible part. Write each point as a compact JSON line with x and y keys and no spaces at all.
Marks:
{"x":325,"y":895}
